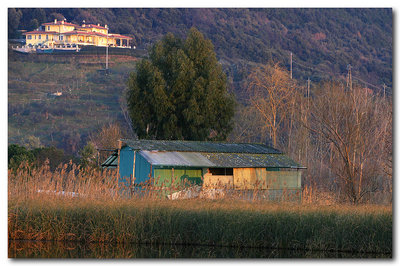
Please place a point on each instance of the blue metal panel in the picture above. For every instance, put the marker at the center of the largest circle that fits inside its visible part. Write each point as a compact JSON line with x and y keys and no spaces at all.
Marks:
{"x":125,"y":167}
{"x":142,"y":169}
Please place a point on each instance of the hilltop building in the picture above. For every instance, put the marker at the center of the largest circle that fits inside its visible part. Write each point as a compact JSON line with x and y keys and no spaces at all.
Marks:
{"x":232,"y":166}
{"x":64,"y":33}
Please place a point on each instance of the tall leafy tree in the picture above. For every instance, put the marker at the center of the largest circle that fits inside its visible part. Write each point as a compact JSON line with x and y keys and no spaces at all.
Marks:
{"x":180,"y":91}
{"x":14,"y":19}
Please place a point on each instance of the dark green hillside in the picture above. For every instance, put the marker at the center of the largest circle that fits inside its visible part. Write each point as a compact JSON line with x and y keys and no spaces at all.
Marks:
{"x":326,"y":39}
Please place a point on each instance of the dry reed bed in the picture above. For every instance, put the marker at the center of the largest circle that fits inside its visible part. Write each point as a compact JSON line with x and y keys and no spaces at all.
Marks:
{"x":99,"y":214}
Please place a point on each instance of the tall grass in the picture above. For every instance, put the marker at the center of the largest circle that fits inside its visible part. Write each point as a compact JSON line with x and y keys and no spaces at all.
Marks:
{"x":98,"y":213}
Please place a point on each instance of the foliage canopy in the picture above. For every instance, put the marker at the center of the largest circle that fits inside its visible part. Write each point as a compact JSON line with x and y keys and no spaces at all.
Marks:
{"x":180,"y":91}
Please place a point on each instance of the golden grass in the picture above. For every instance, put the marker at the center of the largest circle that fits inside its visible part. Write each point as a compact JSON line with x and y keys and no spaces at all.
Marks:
{"x":98,"y":213}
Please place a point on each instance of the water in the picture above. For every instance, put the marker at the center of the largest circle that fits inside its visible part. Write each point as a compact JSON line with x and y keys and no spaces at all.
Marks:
{"x":48,"y":249}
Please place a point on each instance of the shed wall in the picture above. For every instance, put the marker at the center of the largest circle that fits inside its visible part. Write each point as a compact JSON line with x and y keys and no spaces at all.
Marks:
{"x":142,"y":169}
{"x":125,"y":169}
{"x":168,"y":177}
{"x":261,"y":178}
{"x":282,"y":179}
{"x":218,"y":181}
{"x":244,"y":178}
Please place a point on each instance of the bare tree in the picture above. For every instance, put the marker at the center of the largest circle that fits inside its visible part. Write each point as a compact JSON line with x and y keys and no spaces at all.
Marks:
{"x":272,"y":94}
{"x":106,"y":140}
{"x":352,"y":122}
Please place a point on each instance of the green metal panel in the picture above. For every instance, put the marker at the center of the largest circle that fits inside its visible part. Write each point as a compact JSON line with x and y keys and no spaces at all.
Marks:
{"x":283,"y":179}
{"x":168,"y":177}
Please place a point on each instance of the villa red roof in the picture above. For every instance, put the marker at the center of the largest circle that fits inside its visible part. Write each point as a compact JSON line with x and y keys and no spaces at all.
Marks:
{"x":85,"y":33}
{"x":119,"y":36}
{"x":93,"y":33}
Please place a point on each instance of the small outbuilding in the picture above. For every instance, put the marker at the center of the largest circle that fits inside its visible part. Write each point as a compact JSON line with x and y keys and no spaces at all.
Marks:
{"x":231,"y":166}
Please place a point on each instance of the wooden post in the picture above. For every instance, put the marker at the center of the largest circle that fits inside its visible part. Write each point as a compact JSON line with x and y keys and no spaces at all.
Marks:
{"x":119,"y":151}
{"x":133,"y":171}
{"x":384,"y":91}
{"x":151,"y":170}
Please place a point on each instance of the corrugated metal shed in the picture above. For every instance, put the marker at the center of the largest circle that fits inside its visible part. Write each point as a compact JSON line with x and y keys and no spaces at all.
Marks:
{"x":206,"y":154}
{"x":199,"y":146}
{"x":175,"y":164}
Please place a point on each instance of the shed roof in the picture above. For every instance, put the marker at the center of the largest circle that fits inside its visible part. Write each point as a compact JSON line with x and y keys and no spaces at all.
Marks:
{"x":237,"y":160}
{"x":218,"y":160}
{"x":199,"y":146}
{"x":111,"y":161}
{"x":176,"y":158}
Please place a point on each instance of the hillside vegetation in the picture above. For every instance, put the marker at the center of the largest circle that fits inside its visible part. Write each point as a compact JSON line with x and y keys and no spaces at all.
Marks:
{"x":327,"y":40}
{"x":89,"y":100}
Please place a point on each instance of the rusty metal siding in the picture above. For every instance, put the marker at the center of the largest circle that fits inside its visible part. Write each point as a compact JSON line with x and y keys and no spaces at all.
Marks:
{"x":244,"y":178}
{"x":218,"y":181}
{"x":260,"y":178}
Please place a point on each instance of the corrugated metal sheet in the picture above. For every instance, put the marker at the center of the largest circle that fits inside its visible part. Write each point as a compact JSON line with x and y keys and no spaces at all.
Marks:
{"x":111,"y":161}
{"x":188,"y":159}
{"x":235,"y":160}
{"x":225,"y":160}
{"x":200,"y":146}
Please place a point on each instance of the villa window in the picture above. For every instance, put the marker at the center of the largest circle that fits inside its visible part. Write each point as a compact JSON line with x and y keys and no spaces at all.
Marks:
{"x":40,"y":37}
{"x":47,"y":37}
{"x":48,"y":27}
{"x":29,"y":37}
